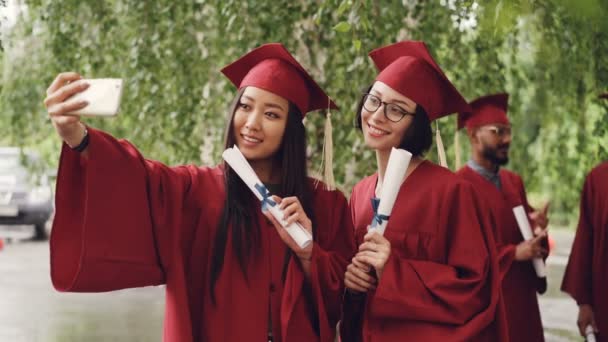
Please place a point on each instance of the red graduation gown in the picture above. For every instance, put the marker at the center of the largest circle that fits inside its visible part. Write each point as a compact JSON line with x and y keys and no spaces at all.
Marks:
{"x":520,"y":283}
{"x":439,"y":283}
{"x":587,"y":271}
{"x":123,"y":221}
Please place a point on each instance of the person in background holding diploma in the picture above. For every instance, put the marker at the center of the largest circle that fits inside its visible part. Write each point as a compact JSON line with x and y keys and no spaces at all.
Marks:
{"x":124,"y":221}
{"x":489,"y":132}
{"x":586,"y":275}
{"x":436,"y":263}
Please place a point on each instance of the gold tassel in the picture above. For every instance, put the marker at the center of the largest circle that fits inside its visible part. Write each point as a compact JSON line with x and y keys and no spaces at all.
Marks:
{"x":327,"y":162}
{"x":440,"y":149}
{"x":457,"y":152}
{"x":328,"y":154}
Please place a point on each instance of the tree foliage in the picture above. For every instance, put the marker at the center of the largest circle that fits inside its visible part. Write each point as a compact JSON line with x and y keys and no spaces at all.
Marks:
{"x":550,"y":55}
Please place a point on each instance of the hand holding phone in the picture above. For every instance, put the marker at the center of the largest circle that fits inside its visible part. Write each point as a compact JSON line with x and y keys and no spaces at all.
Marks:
{"x":103,"y":96}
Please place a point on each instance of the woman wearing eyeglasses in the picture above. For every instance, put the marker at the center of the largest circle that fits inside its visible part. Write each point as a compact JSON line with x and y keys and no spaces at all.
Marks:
{"x":433,"y":275}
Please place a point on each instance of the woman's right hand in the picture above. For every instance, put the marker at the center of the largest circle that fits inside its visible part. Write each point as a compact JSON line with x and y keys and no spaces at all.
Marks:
{"x":58,"y":104}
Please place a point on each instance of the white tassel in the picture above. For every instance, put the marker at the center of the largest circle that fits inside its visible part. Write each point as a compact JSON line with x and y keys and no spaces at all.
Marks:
{"x":440,"y":149}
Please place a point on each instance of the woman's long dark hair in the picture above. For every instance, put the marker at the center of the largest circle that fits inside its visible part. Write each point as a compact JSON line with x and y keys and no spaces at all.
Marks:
{"x":240,"y":206}
{"x":418,"y":137}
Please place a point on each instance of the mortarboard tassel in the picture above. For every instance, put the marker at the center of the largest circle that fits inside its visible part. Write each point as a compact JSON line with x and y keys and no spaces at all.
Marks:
{"x":440,"y":149}
{"x":327,"y":162}
{"x":328,"y":154}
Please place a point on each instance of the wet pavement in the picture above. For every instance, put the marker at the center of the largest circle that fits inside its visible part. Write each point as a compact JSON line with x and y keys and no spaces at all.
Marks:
{"x":31,"y":310}
{"x":558,"y":310}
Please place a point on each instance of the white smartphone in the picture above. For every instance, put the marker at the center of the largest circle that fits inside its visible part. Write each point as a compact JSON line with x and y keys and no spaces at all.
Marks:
{"x":103,"y":96}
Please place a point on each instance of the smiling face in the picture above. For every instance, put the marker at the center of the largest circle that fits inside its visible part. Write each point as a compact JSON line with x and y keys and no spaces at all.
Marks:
{"x":259,"y":123}
{"x":379,"y":132}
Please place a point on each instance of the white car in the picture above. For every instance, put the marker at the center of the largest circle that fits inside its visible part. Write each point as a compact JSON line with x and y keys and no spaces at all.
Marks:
{"x":26,"y":194}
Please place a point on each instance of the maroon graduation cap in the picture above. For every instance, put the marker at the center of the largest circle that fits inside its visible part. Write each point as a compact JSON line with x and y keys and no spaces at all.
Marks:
{"x":409,"y":69}
{"x":486,"y":110}
{"x":271,"y":67}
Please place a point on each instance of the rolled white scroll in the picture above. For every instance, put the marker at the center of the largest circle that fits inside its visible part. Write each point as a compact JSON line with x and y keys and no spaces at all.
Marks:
{"x":394,"y":176}
{"x":589,"y":334}
{"x":526,"y":232}
{"x":239,"y":164}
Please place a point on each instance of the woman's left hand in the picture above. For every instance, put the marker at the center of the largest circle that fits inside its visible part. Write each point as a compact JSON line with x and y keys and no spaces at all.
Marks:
{"x":294,"y":212}
{"x":374,"y":251}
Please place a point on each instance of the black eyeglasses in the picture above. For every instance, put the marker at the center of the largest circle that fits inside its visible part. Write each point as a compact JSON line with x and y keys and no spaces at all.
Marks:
{"x":392,"y":111}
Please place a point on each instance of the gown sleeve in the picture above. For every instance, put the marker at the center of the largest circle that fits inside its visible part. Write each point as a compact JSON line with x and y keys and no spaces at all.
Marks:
{"x":505,"y":251}
{"x":577,"y":279}
{"x":117,"y":217}
{"x":541,"y":283}
{"x":333,"y":248}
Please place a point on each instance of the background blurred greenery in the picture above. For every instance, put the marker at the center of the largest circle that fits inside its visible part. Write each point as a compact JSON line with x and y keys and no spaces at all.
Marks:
{"x":550,"y":55}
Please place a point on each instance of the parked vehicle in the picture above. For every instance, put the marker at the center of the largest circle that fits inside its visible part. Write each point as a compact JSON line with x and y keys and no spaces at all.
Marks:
{"x":26,"y":194}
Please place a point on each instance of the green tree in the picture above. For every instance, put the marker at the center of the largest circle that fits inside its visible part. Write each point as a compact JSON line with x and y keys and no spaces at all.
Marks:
{"x":548,"y":54}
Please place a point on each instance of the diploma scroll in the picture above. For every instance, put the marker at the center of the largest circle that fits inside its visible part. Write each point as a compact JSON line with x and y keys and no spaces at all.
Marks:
{"x":394,"y":176}
{"x":239,"y":164}
{"x":526,"y":232}
{"x":590,"y":334}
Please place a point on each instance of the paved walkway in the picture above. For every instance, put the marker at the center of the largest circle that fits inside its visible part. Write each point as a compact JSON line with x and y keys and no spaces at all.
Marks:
{"x":558,"y":310}
{"x":31,"y":310}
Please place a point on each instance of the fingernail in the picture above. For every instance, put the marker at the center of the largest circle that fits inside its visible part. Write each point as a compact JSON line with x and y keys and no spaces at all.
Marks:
{"x":84,"y":102}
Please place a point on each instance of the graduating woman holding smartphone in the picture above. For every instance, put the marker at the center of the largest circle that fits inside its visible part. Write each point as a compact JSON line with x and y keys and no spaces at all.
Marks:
{"x":435,"y":267}
{"x":231,"y":273}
